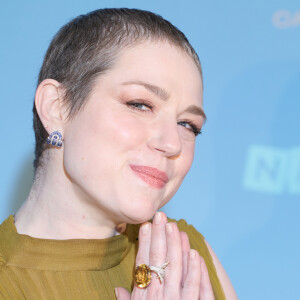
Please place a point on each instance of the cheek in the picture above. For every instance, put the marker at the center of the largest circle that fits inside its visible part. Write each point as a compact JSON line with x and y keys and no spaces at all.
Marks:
{"x":182,"y":166}
{"x":187,"y":157}
{"x":128,"y":132}
{"x":78,"y":148}
{"x":125,"y":132}
{"x":101,"y":140}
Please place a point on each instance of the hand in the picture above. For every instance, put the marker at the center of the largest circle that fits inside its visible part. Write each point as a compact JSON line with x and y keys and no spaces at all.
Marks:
{"x":186,"y":276}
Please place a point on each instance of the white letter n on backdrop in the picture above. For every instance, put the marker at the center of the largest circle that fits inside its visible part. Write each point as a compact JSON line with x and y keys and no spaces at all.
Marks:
{"x":266,"y":169}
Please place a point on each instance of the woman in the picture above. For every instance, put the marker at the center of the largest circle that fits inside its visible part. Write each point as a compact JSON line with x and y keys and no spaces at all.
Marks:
{"x":117,"y":109}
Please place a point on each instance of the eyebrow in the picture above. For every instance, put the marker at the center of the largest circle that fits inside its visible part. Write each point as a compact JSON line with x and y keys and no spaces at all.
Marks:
{"x":158,"y":91}
{"x":164,"y":95}
{"x":196,"y":110}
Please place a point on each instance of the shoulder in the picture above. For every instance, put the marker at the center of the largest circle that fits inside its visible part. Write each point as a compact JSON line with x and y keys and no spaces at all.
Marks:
{"x":4,"y":239}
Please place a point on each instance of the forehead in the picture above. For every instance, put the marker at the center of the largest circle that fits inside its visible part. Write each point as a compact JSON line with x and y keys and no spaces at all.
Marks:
{"x":160,"y":64}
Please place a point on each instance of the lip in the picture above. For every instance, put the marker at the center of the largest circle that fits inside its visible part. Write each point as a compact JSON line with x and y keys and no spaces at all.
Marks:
{"x":150,"y":175}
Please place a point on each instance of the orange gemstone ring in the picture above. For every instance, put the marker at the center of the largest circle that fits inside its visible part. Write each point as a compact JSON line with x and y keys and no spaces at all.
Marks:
{"x":143,"y":274}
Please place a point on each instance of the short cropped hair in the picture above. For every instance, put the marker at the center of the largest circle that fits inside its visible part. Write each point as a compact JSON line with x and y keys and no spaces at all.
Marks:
{"x":88,"y":46}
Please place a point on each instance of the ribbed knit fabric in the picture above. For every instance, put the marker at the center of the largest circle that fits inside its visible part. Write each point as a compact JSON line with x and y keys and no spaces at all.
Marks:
{"x":33,"y":268}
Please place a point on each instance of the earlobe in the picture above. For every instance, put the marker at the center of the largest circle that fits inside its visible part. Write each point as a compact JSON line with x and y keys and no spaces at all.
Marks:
{"x":48,"y":104}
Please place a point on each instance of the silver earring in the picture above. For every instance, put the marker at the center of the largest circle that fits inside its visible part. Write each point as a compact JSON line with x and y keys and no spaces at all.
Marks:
{"x":55,"y":139}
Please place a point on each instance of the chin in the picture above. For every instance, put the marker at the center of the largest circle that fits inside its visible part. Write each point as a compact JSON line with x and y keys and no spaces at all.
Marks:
{"x":139,"y":213}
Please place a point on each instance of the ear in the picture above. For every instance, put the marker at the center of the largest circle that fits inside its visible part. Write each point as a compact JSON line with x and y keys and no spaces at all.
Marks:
{"x":48,"y":103}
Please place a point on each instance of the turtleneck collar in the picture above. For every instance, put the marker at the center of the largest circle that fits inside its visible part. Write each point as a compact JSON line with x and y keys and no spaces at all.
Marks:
{"x":74,"y":254}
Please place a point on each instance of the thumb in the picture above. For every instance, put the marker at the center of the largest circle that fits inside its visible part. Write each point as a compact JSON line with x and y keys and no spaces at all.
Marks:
{"x":122,"y":294}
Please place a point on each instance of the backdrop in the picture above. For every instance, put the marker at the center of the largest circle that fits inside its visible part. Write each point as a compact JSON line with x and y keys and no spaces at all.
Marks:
{"x":243,"y":190}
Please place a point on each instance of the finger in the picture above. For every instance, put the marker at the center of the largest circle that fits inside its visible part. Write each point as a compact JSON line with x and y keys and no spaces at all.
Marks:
{"x":122,"y":294}
{"x":144,"y":244}
{"x":185,"y":245}
{"x":191,"y":286}
{"x":158,"y":251}
{"x":142,"y":255}
{"x":158,"y":240}
{"x":173,"y":276}
{"x":206,"y":291}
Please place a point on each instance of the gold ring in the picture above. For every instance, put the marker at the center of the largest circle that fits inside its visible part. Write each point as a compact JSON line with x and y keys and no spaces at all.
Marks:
{"x":143,"y":274}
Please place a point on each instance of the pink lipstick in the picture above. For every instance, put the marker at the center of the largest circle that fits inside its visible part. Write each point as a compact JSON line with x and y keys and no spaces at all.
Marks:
{"x":152,"y":176}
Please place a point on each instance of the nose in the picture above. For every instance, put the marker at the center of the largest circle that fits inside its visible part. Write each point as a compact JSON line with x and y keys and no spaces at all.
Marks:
{"x":165,"y":138}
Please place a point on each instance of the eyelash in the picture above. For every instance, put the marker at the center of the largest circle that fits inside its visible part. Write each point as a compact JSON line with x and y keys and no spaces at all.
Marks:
{"x":135,"y":104}
{"x":194,"y":128}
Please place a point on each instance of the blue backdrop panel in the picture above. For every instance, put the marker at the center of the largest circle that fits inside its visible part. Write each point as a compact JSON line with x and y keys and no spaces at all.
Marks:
{"x":243,"y":190}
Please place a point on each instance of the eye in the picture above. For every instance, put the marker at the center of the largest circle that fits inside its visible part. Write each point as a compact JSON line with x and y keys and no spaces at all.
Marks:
{"x":190,"y":126}
{"x":139,"y":105}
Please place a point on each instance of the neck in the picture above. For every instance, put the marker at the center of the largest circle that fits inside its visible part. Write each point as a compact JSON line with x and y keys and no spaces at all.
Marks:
{"x":57,"y":209}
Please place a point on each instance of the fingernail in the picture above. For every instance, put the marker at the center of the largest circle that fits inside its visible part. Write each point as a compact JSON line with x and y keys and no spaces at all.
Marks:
{"x":145,"y":228}
{"x":169,"y":228}
{"x":116,"y":292}
{"x":192,"y":254}
{"x":157,"y":218}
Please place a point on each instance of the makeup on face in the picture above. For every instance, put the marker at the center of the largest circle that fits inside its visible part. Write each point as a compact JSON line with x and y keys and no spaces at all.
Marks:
{"x":150,"y":175}
{"x":138,"y":138}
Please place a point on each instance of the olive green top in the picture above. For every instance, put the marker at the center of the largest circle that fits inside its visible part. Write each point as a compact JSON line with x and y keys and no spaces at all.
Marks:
{"x":34,"y":268}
